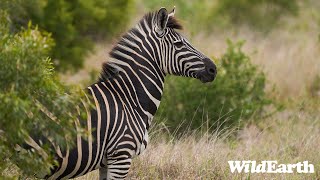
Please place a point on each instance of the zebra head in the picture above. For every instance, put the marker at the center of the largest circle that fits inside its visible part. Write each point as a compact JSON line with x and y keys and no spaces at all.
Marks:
{"x":178,"y":56}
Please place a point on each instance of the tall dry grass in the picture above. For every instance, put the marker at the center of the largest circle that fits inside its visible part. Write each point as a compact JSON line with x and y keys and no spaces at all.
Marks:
{"x":206,"y":158}
{"x":288,"y":137}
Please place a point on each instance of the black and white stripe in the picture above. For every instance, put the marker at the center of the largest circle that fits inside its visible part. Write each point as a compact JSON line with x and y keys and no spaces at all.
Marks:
{"x":127,"y":96}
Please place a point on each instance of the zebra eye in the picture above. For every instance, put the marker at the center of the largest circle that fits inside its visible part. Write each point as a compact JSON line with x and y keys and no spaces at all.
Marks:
{"x":178,"y":44}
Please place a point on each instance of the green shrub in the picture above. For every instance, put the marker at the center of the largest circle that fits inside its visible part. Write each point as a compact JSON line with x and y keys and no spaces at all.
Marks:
{"x":235,"y":95}
{"x":74,"y":24}
{"x":33,"y":101}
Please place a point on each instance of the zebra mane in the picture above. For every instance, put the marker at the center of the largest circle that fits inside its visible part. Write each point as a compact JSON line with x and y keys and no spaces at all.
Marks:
{"x":110,"y":70}
{"x":174,"y":23}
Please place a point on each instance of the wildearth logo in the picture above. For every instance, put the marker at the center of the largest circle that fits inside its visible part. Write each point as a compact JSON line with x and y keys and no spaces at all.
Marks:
{"x":270,"y":167}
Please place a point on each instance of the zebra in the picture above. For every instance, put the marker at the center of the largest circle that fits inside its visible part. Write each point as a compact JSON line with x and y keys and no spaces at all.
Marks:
{"x":127,"y":96}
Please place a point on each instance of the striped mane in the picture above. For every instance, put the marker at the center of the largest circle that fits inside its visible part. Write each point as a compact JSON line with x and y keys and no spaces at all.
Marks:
{"x":108,"y":70}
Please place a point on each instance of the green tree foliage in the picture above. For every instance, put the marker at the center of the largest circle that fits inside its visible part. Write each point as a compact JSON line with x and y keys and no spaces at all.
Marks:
{"x":235,"y":95}
{"x":33,"y":101}
{"x":260,"y":14}
{"x":74,"y":24}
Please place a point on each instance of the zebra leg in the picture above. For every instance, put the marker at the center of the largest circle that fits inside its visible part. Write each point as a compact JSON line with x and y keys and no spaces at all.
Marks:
{"x":116,"y":169}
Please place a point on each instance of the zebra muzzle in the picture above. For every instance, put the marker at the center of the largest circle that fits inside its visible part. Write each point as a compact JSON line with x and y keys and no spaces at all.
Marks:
{"x":209,"y":73}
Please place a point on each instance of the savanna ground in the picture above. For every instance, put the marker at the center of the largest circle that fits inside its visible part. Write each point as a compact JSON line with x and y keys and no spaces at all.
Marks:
{"x":289,"y":56}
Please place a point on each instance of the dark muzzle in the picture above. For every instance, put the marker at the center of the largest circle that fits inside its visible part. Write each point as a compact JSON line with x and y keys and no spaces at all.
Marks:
{"x":209,"y":73}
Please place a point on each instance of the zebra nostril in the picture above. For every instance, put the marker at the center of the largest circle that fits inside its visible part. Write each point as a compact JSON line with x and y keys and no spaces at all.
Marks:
{"x":211,"y":68}
{"x":212,"y":71}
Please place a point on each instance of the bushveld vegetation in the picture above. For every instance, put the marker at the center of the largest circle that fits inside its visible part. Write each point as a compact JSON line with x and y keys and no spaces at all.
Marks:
{"x":33,"y":100}
{"x":198,"y":127}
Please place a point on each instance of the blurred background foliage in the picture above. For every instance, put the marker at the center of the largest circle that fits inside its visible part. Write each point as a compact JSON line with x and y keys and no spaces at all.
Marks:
{"x":262,"y":14}
{"x":258,"y":14}
{"x":74,"y":24}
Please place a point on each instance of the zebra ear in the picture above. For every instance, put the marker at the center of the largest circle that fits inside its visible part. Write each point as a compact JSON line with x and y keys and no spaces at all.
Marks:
{"x":171,"y":14}
{"x":162,"y":20}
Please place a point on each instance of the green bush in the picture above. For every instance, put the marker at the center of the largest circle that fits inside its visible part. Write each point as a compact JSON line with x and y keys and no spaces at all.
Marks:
{"x":33,"y":101}
{"x":74,"y":24}
{"x":236,"y":95}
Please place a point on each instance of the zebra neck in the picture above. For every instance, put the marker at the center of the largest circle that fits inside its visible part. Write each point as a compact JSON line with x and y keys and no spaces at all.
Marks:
{"x":145,"y":81}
